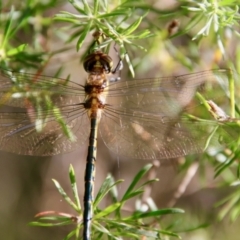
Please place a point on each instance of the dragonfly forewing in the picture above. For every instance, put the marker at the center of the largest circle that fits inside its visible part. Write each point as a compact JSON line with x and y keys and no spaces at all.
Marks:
{"x":144,"y":118}
{"x":41,"y":115}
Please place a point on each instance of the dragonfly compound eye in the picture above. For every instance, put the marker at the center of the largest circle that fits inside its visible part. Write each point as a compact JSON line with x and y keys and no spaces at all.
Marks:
{"x":98,"y":62}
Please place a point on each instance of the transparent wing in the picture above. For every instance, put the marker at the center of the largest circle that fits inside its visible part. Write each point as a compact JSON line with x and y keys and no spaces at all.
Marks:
{"x":18,"y":132}
{"x":165,"y":95}
{"x":145,"y":119}
{"x":150,"y":137}
{"x":17,"y":87}
{"x":40,"y":115}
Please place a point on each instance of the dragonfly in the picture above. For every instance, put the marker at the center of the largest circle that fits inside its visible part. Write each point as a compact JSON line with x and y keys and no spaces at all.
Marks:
{"x":138,"y":119}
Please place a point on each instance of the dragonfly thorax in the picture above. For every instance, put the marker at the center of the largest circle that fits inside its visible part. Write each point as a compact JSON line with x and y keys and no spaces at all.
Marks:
{"x":95,"y":79}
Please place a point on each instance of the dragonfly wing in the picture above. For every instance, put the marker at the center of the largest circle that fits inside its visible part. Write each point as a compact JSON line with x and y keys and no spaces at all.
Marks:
{"x":144,"y":116}
{"x":20,"y":133}
{"x":40,"y":115}
{"x":166,"y":95}
{"x":18,"y":89}
{"x":146,"y":136}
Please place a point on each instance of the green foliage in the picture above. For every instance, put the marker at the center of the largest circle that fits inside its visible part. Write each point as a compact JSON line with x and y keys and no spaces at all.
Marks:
{"x":15,"y":53}
{"x":119,"y":24}
{"x":110,"y":22}
{"x":212,"y":16}
{"x":9,"y":26}
{"x":110,"y":221}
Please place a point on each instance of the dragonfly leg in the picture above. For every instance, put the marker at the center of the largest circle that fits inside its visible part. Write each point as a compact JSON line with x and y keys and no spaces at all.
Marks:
{"x":119,"y":66}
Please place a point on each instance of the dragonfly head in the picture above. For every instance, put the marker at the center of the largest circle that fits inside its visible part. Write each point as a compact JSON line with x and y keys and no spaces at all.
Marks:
{"x":98,"y":62}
